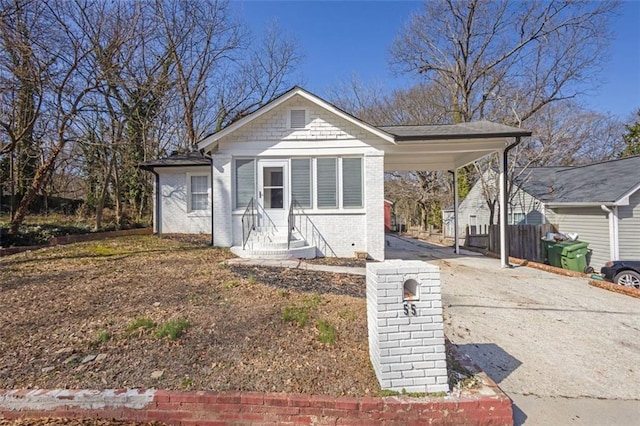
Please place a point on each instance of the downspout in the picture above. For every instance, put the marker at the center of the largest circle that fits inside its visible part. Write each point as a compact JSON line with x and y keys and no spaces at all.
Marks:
{"x":156,"y":222}
{"x":210,"y":158}
{"x":456,"y":236}
{"x":612,"y":214}
{"x":504,"y":223}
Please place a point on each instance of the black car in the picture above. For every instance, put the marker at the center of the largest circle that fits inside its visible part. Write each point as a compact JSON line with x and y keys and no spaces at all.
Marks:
{"x":623,"y":272}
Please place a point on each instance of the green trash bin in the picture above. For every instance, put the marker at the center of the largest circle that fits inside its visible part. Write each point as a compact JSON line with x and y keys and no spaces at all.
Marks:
{"x":552,"y":251}
{"x":573,"y":255}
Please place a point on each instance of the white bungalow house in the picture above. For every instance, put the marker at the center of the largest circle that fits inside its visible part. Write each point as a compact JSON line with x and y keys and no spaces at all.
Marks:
{"x":301,"y":178}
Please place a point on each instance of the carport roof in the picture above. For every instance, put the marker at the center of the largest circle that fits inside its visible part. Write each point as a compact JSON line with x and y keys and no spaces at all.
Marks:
{"x":474,"y":130}
{"x":445,"y":146}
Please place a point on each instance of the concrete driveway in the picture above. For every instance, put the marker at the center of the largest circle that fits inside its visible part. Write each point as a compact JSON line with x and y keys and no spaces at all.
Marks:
{"x":565,"y":352}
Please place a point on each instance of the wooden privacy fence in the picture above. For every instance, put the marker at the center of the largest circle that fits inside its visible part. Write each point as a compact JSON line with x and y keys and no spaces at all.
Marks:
{"x":524,"y":240}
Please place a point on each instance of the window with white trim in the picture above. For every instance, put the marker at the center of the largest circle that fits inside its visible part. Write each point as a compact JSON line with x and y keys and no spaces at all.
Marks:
{"x":198,"y":192}
{"x":245,"y":180}
{"x":297,"y":119}
{"x":327,"y":185}
{"x":352,"y":182}
{"x":301,"y":181}
{"x":517,"y":218}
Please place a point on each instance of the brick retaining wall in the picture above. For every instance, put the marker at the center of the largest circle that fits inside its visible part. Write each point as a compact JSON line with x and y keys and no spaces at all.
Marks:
{"x":211,"y":408}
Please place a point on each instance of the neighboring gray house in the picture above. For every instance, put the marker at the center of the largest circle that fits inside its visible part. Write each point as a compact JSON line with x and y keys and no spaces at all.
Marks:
{"x":600,"y":202}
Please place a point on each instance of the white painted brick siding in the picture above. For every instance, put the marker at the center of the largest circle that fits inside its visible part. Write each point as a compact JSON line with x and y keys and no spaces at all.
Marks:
{"x":404,"y":354}
{"x":174,"y":217}
{"x":222,"y":201}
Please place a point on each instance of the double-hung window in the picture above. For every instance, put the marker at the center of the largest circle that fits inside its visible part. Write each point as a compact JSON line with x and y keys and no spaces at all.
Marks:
{"x":327,"y":185}
{"x":352,"y":182}
{"x":198,"y":192}
{"x":245,"y":176}
{"x":301,"y":181}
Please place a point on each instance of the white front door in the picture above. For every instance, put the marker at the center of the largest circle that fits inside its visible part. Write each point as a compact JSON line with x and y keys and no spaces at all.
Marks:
{"x":273,"y":197}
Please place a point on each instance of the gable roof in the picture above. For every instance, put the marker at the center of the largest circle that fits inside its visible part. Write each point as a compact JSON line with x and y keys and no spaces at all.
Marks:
{"x":608,"y":182}
{"x":210,"y":140}
{"x":177,"y":160}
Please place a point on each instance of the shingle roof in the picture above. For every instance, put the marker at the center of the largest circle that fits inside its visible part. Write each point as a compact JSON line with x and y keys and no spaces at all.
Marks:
{"x":177,"y":160}
{"x":477,"y":129}
{"x":605,"y":182}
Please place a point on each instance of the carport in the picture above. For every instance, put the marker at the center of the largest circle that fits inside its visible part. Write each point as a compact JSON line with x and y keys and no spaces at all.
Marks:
{"x":448,"y":148}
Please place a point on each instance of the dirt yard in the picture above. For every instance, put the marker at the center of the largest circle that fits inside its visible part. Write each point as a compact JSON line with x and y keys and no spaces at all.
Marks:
{"x":92,"y":315}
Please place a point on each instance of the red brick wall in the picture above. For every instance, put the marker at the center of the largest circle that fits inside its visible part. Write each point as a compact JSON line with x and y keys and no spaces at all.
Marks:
{"x":211,"y":408}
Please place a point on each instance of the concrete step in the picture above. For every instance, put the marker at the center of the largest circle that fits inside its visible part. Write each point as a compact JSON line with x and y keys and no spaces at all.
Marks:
{"x":301,"y":252}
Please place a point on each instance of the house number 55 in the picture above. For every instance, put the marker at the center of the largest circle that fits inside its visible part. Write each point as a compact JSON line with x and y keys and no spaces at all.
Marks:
{"x":410,"y":309}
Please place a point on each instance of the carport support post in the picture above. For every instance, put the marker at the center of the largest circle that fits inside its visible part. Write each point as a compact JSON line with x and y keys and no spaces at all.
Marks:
{"x":455,"y":212}
{"x":504,"y":228}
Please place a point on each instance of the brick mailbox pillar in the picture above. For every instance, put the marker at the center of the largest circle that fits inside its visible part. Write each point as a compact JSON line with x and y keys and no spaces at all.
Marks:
{"x":406,"y":332}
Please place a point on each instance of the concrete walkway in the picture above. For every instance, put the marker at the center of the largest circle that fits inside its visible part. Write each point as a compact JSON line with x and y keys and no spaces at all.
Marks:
{"x":298,"y":264}
{"x":565,"y":352}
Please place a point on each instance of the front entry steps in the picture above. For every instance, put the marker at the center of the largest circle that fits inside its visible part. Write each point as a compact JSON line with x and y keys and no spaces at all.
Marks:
{"x":271,"y":243}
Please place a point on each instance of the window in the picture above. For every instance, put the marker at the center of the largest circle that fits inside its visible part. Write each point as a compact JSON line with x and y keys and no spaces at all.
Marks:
{"x":517,"y":218}
{"x":473,"y":225}
{"x":352,"y":182}
{"x":301,"y":181}
{"x":298,"y":119}
{"x":245,"y":175}
{"x":198,"y":192}
{"x":327,"y":182}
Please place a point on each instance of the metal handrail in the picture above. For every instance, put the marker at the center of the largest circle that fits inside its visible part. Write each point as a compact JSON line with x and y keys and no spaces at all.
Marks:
{"x":290,"y":223}
{"x":248,"y":222}
{"x":307,"y":228}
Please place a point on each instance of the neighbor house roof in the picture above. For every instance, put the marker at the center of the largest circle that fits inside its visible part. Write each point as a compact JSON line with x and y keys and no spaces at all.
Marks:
{"x":609,"y":182}
{"x":177,"y":160}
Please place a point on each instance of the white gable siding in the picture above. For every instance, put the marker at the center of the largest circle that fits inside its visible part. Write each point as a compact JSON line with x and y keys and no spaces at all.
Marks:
{"x":592,"y":226}
{"x":474,"y":204}
{"x":325,"y":133}
{"x":174,"y":202}
{"x":523,"y":202}
{"x":629,"y":228}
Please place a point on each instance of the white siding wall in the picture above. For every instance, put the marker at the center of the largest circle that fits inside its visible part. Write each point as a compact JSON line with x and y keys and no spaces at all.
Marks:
{"x":629,"y":228}
{"x":346,"y":231}
{"x":475,"y":204}
{"x":173,"y":203}
{"x":592,"y":226}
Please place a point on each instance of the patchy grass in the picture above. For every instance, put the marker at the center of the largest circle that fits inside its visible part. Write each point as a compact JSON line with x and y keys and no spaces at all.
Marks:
{"x":139,"y":325}
{"x":172,"y":329}
{"x":327,"y":332}
{"x":59,"y":305}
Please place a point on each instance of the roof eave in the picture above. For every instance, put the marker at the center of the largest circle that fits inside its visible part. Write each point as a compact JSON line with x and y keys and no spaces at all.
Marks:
{"x":414,"y":138}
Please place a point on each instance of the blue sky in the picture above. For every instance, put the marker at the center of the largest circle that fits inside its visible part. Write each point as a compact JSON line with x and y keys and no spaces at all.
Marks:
{"x":345,"y":38}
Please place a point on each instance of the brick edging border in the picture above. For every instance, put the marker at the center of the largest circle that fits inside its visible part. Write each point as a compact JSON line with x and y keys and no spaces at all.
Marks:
{"x":76,"y":238}
{"x":204,"y":407}
{"x":616,"y":288}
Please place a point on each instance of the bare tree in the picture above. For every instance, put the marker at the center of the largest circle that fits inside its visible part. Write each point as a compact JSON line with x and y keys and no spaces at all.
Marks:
{"x":529,"y":53}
